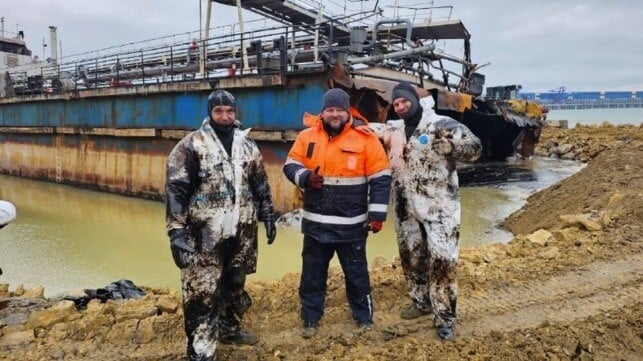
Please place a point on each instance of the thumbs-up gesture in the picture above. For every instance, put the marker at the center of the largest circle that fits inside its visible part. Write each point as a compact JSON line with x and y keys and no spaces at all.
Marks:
{"x":314,"y":180}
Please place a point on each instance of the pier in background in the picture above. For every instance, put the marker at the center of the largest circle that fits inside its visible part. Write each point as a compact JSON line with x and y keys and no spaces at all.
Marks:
{"x":561,"y":99}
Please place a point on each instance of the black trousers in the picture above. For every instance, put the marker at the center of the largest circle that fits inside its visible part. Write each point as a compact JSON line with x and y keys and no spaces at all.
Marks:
{"x":312,"y":288}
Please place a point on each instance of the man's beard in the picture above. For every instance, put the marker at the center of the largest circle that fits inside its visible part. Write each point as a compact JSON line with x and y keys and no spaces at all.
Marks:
{"x":333,"y":131}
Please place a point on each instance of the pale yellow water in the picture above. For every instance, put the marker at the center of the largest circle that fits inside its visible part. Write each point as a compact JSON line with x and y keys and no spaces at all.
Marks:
{"x":67,"y":238}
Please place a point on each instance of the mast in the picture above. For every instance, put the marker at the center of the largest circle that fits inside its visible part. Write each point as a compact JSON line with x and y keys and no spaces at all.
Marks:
{"x":53,"y":43}
{"x":205,"y":41}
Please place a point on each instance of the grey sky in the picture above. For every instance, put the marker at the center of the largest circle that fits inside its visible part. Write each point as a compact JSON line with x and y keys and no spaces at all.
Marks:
{"x":541,"y":44}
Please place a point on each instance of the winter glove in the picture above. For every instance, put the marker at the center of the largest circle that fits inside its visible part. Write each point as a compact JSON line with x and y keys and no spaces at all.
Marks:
{"x":180,"y":248}
{"x":376,"y":226}
{"x":271,"y":231}
{"x":442,"y":146}
{"x":314,"y":180}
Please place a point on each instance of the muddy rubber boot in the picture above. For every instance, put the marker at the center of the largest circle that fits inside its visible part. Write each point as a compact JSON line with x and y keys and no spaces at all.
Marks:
{"x":192,"y":356}
{"x":310,"y":330}
{"x":445,"y":332}
{"x":412,"y":312}
{"x":241,"y":338}
{"x":365,"y":326}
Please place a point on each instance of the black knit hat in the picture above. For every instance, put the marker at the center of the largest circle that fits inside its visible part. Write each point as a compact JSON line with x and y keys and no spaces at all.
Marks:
{"x":336,"y":98}
{"x":408,"y":92}
{"x":220,"y":97}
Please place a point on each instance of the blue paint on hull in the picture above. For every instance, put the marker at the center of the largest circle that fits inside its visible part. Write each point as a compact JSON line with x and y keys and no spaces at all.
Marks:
{"x":265,"y":108}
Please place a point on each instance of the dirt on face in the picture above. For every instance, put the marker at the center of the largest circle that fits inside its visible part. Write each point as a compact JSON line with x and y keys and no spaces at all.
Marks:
{"x":567,"y":287}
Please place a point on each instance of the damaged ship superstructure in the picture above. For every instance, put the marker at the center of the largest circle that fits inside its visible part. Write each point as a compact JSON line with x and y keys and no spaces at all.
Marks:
{"x":506,"y":124}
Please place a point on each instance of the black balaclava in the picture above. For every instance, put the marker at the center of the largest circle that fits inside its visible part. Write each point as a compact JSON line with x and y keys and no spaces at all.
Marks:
{"x":413,"y":116}
{"x":225,"y":133}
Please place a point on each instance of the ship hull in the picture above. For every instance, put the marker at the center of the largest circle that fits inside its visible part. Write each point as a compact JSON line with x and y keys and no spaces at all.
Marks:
{"x":118,"y":140}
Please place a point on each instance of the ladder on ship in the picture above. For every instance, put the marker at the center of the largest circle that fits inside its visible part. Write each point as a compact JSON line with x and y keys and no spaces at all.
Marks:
{"x":293,"y":13}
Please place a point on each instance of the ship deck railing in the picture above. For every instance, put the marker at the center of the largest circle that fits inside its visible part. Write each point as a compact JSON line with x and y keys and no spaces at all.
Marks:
{"x":155,"y":63}
{"x":270,"y":50}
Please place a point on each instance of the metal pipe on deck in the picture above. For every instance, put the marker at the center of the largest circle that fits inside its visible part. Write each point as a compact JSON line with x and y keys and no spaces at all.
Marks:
{"x":202,"y":51}
{"x":244,"y":51}
{"x":204,"y":45}
{"x":409,"y":30}
{"x":397,"y":54}
{"x":457,"y":60}
{"x":318,"y":21}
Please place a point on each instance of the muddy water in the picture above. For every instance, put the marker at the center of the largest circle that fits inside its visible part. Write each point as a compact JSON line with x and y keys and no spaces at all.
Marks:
{"x":67,"y":238}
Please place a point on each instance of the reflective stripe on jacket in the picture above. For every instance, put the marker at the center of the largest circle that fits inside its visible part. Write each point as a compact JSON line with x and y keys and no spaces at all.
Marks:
{"x":356,"y":179}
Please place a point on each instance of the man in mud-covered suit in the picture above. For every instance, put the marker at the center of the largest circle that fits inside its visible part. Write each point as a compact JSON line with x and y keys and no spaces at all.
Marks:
{"x":345,"y":174}
{"x":426,"y":201}
{"x":216,"y":190}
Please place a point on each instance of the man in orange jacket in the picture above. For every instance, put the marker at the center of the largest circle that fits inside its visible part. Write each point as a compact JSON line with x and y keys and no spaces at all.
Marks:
{"x":344,"y":171}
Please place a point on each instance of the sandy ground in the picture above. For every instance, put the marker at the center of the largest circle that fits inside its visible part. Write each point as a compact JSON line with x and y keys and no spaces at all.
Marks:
{"x":568,"y":287}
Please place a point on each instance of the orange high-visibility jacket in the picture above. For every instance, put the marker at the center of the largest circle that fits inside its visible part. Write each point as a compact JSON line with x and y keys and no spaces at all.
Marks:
{"x":357,"y":179}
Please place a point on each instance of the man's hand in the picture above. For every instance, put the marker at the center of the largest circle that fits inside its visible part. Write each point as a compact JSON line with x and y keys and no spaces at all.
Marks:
{"x":180,"y":248}
{"x":442,"y":146}
{"x":271,"y":231}
{"x":314,"y":180}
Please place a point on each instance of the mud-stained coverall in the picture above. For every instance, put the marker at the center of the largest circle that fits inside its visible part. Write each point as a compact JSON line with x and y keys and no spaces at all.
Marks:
{"x":355,"y":190}
{"x":426,"y":200}
{"x":218,"y":198}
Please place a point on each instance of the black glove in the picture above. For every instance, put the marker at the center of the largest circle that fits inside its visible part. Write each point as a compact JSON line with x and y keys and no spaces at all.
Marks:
{"x":314,"y":180}
{"x":180,"y":248}
{"x":271,"y":231}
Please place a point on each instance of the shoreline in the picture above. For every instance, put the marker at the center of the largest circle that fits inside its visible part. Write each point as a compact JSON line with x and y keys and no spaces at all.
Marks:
{"x":110,"y":254}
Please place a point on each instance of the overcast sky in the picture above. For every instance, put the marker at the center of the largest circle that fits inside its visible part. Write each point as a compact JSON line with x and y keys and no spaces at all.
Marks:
{"x":541,"y":44}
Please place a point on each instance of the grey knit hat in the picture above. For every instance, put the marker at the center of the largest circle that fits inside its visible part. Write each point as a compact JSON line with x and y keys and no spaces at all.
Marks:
{"x":220,"y":97}
{"x":336,"y":98}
